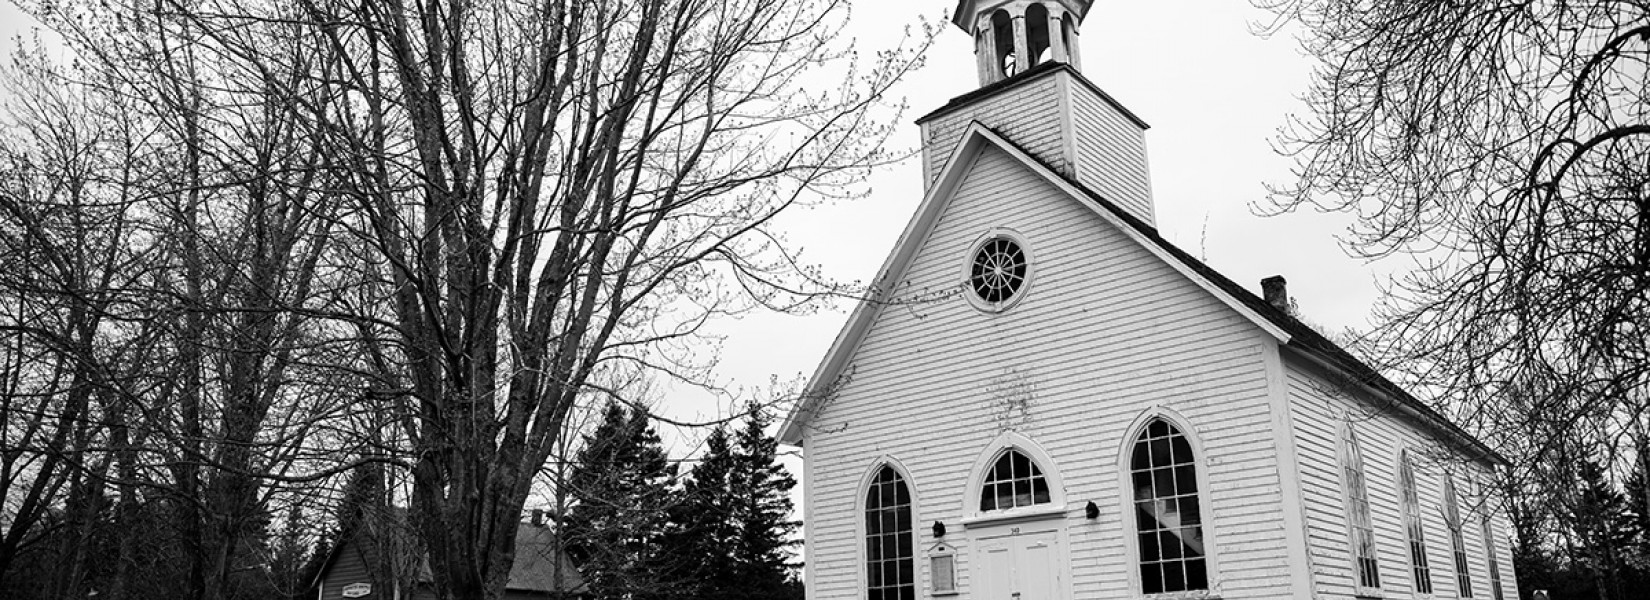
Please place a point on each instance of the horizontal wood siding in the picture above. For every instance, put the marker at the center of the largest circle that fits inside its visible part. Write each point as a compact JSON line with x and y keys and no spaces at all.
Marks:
{"x":1106,"y":331}
{"x":1319,"y":406}
{"x":350,"y":567}
{"x":1111,"y":153}
{"x":1028,"y":114}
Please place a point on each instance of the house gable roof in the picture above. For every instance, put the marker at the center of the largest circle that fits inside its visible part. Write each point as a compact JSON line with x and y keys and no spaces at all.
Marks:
{"x":532,"y":571}
{"x":1285,"y":329}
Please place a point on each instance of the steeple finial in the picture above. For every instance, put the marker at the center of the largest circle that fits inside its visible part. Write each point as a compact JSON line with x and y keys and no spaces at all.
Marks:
{"x":1011,"y":36}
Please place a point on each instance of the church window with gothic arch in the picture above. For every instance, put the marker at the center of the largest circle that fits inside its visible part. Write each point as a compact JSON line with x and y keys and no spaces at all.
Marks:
{"x":1490,"y":556}
{"x":1365,"y":559}
{"x":1014,"y":481}
{"x":1457,"y":538}
{"x":1168,"y":514}
{"x":890,"y":563}
{"x":1411,"y":499}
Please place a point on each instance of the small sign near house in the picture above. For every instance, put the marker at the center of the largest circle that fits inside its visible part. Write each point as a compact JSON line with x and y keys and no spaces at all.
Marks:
{"x":357,"y":590}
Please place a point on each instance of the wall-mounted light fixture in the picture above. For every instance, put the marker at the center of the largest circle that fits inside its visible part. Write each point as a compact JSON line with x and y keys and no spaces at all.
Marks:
{"x":1092,"y":511}
{"x":939,"y":529}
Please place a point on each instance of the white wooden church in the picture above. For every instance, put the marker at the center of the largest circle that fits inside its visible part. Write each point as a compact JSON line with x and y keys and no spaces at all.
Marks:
{"x":1048,"y":401}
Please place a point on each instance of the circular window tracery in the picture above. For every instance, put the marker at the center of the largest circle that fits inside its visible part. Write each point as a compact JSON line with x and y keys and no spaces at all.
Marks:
{"x":998,"y":271}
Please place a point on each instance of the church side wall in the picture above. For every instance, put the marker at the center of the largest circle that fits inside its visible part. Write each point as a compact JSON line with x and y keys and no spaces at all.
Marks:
{"x":1319,"y":408}
{"x":1027,"y":115}
{"x":1106,"y":331}
{"x":1111,"y":152}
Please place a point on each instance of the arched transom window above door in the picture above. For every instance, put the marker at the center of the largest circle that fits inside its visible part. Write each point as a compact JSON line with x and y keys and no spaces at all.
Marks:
{"x":1014,"y":481}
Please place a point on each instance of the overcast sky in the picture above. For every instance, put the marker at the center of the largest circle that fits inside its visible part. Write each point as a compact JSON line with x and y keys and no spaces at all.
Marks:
{"x":1215,"y":95}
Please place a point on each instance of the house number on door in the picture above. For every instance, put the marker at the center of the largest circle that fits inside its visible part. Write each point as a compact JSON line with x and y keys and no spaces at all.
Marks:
{"x":1015,"y":531}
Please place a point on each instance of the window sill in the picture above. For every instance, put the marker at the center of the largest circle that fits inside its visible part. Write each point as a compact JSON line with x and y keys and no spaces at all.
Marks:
{"x":1199,"y":595}
{"x":1014,"y":516}
{"x":1369,"y":594}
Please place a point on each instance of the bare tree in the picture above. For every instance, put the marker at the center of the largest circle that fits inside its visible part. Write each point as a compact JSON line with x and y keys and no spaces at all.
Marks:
{"x":539,"y":201}
{"x":560,"y":194}
{"x":1505,"y":148}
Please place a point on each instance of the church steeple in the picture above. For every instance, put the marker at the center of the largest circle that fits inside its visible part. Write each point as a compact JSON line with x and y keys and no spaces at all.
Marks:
{"x":1011,"y":36}
{"x":1033,"y":94}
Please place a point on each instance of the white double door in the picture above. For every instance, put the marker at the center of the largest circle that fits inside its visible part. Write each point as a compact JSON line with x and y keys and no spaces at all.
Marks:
{"x":1015,"y":565}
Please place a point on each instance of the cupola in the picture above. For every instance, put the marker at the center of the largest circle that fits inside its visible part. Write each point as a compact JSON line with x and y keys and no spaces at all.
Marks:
{"x":1011,"y":36}
{"x":1047,"y":108}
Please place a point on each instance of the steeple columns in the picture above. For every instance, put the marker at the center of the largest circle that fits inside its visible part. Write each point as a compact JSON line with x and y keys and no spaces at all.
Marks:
{"x":1011,"y":36}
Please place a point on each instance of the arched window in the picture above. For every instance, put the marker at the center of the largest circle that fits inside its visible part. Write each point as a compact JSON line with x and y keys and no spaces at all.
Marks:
{"x":1168,"y":517}
{"x":1067,"y":30}
{"x":1014,"y":481}
{"x":1002,"y":26}
{"x":889,"y":564}
{"x":1457,"y":542}
{"x":1412,"y":525}
{"x":1038,"y":41}
{"x":1364,"y":555}
{"x":1490,"y":555}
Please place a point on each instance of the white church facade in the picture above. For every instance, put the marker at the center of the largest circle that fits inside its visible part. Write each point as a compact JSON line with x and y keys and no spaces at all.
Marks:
{"x":1045,"y":400}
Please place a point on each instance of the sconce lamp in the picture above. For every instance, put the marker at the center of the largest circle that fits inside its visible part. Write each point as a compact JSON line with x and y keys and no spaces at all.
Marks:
{"x":939,"y":529}
{"x":1092,"y":511}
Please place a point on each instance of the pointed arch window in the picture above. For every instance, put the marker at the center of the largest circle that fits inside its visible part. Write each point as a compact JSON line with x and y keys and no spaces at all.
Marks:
{"x":1490,"y":555}
{"x":1365,"y":558}
{"x":1015,"y":481}
{"x":1411,"y":499}
{"x":1168,"y":513}
{"x":889,"y":544}
{"x":1457,"y":539}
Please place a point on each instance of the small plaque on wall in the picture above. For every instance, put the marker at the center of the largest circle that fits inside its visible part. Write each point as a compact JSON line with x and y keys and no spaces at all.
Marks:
{"x":357,"y":590}
{"x":942,"y":568}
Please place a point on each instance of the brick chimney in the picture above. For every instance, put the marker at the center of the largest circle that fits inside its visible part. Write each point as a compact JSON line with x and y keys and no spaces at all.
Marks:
{"x":1276,"y":292}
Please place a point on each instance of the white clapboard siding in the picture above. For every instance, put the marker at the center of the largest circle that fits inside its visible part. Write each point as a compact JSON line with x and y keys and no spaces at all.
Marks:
{"x":1111,"y":152}
{"x":1028,"y":114}
{"x":1319,"y":407}
{"x":1107,"y":331}
{"x":1064,"y":121}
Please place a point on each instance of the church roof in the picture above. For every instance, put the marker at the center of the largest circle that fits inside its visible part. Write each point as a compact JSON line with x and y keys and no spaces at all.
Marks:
{"x":1289,"y":331}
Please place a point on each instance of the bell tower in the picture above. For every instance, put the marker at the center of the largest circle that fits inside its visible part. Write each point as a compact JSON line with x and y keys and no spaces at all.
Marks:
{"x":1011,"y":36}
{"x":1032,"y":92}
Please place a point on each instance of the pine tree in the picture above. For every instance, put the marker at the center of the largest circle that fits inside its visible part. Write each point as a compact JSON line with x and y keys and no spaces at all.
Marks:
{"x":621,"y":492}
{"x":762,"y":502}
{"x":1603,"y":529}
{"x":703,"y":531}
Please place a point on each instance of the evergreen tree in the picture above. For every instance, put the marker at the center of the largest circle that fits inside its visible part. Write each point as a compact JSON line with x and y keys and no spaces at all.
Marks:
{"x":621,"y":492}
{"x":703,"y":532}
{"x":733,"y":526}
{"x":1603,"y":530}
{"x":761,"y":497}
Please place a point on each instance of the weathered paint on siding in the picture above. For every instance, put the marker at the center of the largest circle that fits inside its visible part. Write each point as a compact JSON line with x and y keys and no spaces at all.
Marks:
{"x":1106,"y":331}
{"x":1319,"y":407}
{"x":1029,"y":114}
{"x":1111,"y":153}
{"x":1067,"y":124}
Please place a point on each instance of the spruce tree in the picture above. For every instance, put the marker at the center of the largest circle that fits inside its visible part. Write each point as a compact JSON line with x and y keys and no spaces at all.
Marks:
{"x":1603,"y":529}
{"x":621,"y":492}
{"x":704,"y":530}
{"x":762,"y":506}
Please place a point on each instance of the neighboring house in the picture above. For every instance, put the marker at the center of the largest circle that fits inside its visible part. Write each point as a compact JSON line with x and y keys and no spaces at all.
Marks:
{"x":365,"y":565}
{"x":1045,"y":400}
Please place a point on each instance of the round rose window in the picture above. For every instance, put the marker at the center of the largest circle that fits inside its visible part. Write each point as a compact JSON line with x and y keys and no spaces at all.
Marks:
{"x":998,"y":271}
